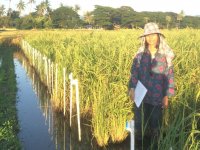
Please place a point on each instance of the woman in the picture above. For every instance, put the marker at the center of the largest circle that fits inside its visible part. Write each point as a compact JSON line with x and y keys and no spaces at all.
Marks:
{"x":152,"y":65}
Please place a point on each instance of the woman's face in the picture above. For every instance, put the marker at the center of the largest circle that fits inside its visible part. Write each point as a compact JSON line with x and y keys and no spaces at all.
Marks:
{"x":152,"y":39}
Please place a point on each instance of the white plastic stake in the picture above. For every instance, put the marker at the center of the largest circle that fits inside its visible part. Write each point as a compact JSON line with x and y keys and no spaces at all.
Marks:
{"x":78,"y":108}
{"x":75,"y":82}
{"x":71,"y":92}
{"x":52,"y":78}
{"x":64,"y":91}
{"x":56,"y":79}
{"x":130,"y":128}
{"x":49,"y":75}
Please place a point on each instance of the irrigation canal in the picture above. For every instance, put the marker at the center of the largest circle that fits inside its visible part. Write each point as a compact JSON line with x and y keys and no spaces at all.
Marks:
{"x":41,"y":127}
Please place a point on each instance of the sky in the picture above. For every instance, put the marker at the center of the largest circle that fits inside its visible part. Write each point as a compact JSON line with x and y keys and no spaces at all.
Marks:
{"x":190,"y":7}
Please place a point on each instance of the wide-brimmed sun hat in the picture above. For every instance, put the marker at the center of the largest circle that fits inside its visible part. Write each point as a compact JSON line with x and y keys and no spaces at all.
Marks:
{"x":151,"y":28}
{"x":164,"y":48}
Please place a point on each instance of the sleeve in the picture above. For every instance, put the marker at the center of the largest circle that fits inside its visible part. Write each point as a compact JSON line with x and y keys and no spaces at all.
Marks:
{"x":170,"y":82}
{"x":134,"y":74}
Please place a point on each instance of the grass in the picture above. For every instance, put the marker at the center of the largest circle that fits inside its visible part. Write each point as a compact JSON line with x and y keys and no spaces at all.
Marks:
{"x":8,"y":113}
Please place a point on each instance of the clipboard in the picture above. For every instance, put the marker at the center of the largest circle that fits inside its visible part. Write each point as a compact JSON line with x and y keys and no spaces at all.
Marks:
{"x":140,"y":92}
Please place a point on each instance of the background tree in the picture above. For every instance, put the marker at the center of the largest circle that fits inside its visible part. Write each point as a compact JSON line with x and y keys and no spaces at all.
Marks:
{"x":103,"y":16}
{"x":65,"y":17}
{"x":41,"y":8}
{"x":31,"y":2}
{"x":14,"y":18}
{"x":29,"y":21}
{"x":88,"y":17}
{"x":116,"y":17}
{"x":4,"y":22}
{"x":48,"y":9}
{"x":2,"y":17}
{"x":146,"y":19}
{"x":127,"y":16}
{"x":9,"y":4}
{"x":9,"y":9}
{"x":168,"y":20}
{"x":77,"y":8}
{"x":180,"y":17}
{"x":2,"y":10}
{"x":21,"y":6}
{"x":15,"y":15}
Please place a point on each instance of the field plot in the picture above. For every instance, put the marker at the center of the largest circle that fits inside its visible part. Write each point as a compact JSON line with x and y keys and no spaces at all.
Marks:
{"x":101,"y":61}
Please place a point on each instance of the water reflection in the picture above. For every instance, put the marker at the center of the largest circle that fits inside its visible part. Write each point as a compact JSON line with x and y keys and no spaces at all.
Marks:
{"x":59,"y":131}
{"x":0,"y":62}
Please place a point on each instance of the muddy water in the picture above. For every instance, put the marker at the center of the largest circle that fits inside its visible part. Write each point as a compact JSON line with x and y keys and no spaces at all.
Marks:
{"x":41,"y":128}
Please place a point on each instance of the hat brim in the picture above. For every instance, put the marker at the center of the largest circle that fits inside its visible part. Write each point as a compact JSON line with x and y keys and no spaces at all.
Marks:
{"x":143,"y":35}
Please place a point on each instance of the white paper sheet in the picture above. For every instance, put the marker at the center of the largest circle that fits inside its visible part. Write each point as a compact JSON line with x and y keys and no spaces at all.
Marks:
{"x":140,"y":92}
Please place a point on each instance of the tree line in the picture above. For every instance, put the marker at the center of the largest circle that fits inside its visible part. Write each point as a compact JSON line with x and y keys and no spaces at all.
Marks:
{"x":101,"y":17}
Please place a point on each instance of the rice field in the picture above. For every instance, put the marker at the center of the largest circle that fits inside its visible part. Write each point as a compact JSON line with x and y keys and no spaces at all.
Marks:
{"x":101,"y":62}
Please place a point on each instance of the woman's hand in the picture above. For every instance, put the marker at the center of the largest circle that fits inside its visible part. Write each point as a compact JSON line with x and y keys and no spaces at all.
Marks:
{"x":165,"y":102}
{"x":132,"y":94}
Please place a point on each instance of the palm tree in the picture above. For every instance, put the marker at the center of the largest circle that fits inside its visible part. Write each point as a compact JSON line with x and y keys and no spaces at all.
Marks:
{"x":88,"y":17}
{"x":41,"y":8}
{"x":9,"y":12}
{"x":168,"y":20}
{"x":31,"y":2}
{"x":146,"y":19}
{"x":2,"y":10}
{"x":9,"y":4}
{"x":180,"y":17}
{"x":48,"y":9}
{"x":9,"y":9}
{"x":21,"y":6}
{"x":76,"y":8}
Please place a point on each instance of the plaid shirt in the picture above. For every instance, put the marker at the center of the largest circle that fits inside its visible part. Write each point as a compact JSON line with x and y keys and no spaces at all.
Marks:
{"x":156,"y":76}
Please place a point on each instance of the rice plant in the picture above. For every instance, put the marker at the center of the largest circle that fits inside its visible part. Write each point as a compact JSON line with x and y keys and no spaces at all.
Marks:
{"x":101,"y":61}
